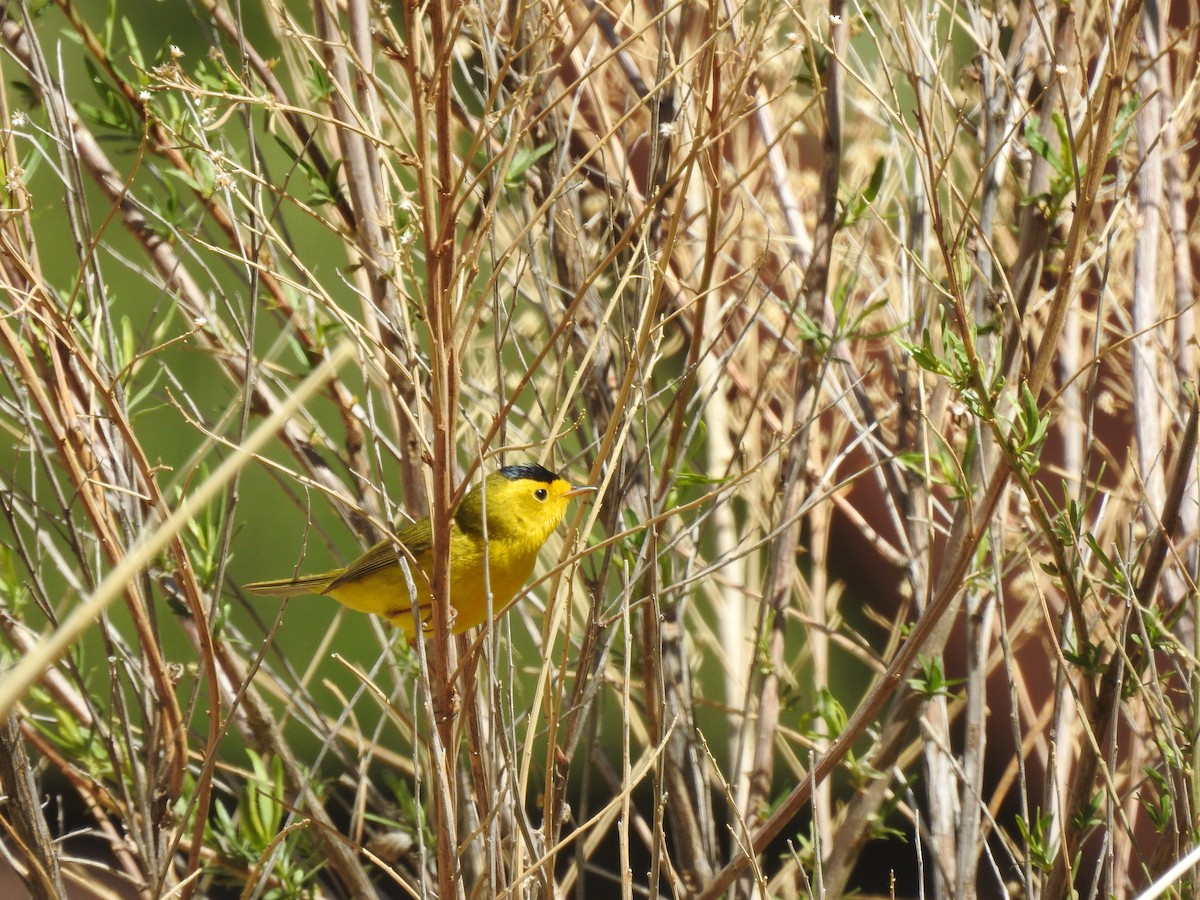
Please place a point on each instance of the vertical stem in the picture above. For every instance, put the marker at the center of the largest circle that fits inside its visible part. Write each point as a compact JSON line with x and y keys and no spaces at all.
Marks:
{"x":430,"y":40}
{"x":1148,"y":372}
{"x":24,"y":811}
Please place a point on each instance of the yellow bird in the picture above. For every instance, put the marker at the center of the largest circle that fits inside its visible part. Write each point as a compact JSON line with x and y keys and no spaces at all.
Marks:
{"x":523,"y":505}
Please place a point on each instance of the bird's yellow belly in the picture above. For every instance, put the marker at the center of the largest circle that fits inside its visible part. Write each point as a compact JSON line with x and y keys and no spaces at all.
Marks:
{"x":385,"y":591}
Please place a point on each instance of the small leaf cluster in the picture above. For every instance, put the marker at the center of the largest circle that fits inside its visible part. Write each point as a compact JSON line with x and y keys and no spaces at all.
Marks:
{"x":955,"y":362}
{"x":252,"y":833}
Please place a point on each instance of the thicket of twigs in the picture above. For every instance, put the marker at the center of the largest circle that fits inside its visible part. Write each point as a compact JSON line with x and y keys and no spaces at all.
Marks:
{"x":873,"y":323}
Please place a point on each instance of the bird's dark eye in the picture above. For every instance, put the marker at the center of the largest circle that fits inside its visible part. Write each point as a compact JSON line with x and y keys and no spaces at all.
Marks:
{"x":541,"y":494}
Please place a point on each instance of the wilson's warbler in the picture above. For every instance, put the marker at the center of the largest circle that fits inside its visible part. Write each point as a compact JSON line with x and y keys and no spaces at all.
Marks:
{"x":524,"y":504}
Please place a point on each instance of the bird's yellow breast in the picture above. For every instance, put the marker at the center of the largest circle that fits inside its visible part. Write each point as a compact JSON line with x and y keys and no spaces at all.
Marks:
{"x":385,"y":591}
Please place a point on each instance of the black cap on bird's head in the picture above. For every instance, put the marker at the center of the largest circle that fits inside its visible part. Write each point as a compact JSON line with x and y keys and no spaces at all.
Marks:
{"x":529,"y":472}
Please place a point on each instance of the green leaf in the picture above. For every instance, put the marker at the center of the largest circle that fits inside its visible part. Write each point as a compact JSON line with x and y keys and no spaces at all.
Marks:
{"x":690,"y":476}
{"x":876,"y":182}
{"x":1064,"y":140}
{"x":932,"y":682}
{"x":115,"y":114}
{"x":925,"y":357}
{"x":1123,"y":125}
{"x":522,"y":160}
{"x":1116,"y":575}
{"x":1155,"y":798}
{"x":1037,"y":143}
{"x":1087,"y":658}
{"x":325,"y":190}
{"x":13,"y":589}
{"x":263,"y":801}
{"x":134,"y":48}
{"x":1088,"y":816}
{"x":865,"y":197}
{"x":319,"y":82}
{"x":1036,"y":836}
{"x":832,"y":713}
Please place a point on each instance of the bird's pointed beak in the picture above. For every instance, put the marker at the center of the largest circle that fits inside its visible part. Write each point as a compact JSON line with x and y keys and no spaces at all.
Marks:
{"x":576,"y":491}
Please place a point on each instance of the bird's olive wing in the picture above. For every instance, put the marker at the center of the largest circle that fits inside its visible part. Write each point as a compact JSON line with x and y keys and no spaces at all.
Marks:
{"x":416,"y":540}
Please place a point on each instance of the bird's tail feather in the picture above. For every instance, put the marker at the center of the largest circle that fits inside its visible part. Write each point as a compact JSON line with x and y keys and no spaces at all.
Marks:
{"x":290,"y":587}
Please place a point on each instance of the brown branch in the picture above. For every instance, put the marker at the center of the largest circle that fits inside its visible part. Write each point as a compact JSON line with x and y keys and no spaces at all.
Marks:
{"x":43,"y":876}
